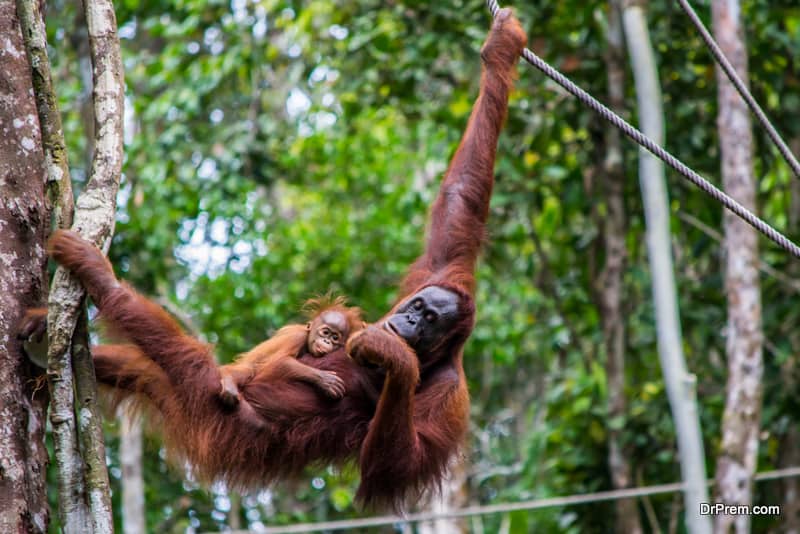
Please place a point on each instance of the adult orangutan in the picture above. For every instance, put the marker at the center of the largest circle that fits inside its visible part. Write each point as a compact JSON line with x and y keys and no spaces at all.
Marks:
{"x":405,"y":410}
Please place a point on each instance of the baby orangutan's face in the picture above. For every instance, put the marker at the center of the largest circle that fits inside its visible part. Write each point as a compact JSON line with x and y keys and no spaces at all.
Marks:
{"x":326,"y":333}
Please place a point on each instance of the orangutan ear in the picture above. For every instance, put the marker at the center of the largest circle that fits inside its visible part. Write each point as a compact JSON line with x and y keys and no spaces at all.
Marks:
{"x":308,"y":326}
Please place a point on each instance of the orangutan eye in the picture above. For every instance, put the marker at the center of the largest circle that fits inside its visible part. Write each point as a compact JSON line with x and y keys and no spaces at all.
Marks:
{"x":334,"y":336}
{"x":430,"y":317}
{"x":417,"y":304}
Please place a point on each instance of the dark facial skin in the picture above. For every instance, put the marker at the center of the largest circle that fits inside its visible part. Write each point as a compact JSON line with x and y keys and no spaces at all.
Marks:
{"x":425,"y":317}
{"x":326,"y":333}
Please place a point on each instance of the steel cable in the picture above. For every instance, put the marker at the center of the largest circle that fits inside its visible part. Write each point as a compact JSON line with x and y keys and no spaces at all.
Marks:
{"x":741,"y":88}
{"x":653,"y":147}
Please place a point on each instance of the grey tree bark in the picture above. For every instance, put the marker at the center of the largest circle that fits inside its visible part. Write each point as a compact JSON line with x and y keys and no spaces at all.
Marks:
{"x":608,"y":286}
{"x":84,"y":493}
{"x":73,"y":509}
{"x":789,"y":455}
{"x":679,"y":383}
{"x":24,"y":219}
{"x":452,"y":497}
{"x":130,"y":459}
{"x":736,"y":462}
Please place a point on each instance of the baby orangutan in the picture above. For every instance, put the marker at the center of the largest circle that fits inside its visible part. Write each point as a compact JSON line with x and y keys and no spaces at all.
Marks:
{"x":330,"y":325}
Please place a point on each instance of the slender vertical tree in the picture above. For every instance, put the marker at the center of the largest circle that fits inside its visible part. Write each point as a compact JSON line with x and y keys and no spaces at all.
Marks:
{"x":736,"y":462}
{"x":679,"y":383}
{"x":789,"y":455}
{"x":130,"y":459}
{"x":452,"y":497}
{"x":608,"y":290}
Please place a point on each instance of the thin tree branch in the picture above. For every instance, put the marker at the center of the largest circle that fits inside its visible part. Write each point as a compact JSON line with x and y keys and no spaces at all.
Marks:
{"x":649,"y":511}
{"x":95,"y":219}
{"x":59,"y":184}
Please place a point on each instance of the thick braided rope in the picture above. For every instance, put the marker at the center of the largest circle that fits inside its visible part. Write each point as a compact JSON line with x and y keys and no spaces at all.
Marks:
{"x":741,"y":88}
{"x":709,"y":188}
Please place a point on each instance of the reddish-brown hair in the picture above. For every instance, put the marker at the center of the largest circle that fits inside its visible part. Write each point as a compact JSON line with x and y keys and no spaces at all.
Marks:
{"x":401,"y":420}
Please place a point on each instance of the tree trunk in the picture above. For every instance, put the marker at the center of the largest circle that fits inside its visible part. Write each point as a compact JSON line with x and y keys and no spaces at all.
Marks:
{"x":609,"y":282}
{"x":130,"y":459}
{"x":235,"y":513}
{"x":452,"y":497}
{"x":789,"y":456}
{"x":741,"y":421}
{"x":24,"y":219}
{"x":679,"y":383}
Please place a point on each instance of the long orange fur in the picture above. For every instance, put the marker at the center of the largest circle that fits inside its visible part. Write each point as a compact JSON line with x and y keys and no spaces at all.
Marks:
{"x":401,"y":421}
